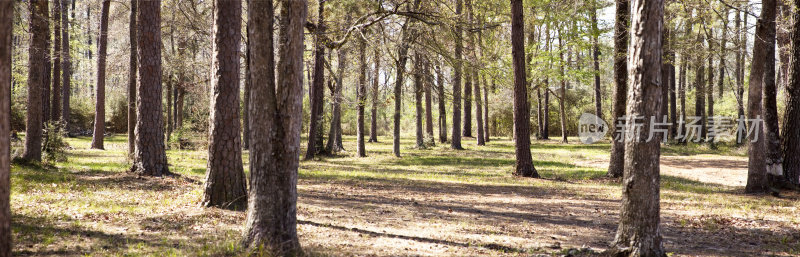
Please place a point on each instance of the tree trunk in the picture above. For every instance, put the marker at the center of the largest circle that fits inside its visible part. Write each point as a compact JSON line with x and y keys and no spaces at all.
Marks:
{"x":100,"y":106}
{"x":598,"y":97}
{"x":55,"y":100}
{"x":418,"y":92}
{"x":316,"y":94}
{"x":774,"y":157}
{"x":545,"y":127}
{"x":132,"y":72}
{"x":757,"y":167}
{"x":48,"y":70}
{"x":225,"y":180}
{"x":479,"y":110}
{"x":246,"y":100}
{"x":522,"y":144}
{"x":710,"y":88}
{"x":723,"y":48}
{"x":740,"y":52}
{"x":442,"y":105}
{"x":638,"y":233}
{"x":428,"y":82}
{"x":66,"y":65}
{"x":276,"y":122}
{"x":700,"y":89}
{"x":485,"y":111}
{"x":373,"y":127}
{"x":335,"y":133}
{"x":36,"y":79}
{"x":455,"y":143}
{"x":402,"y":57}
{"x":361,"y":94}
{"x":563,"y":91}
{"x":6,"y":31}
{"x":150,"y":156}
{"x":791,"y":118}
{"x":621,"y":36}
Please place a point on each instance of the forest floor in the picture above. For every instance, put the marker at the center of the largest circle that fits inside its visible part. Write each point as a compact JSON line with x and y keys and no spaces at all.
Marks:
{"x":434,"y":202}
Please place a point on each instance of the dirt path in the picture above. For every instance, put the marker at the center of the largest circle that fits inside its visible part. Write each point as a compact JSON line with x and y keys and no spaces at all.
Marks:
{"x":714,"y":169}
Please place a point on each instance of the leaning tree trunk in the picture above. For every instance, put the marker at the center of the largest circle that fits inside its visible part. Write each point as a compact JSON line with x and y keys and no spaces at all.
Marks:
{"x":361,"y":94}
{"x":55,"y":100}
{"x":66,"y":65}
{"x":442,"y":105}
{"x":100,"y":106}
{"x":225,"y":180}
{"x":418,"y":91}
{"x":522,"y":142}
{"x":621,"y":37}
{"x":36,"y":79}
{"x":756,"y":167}
{"x":373,"y":126}
{"x":276,"y":111}
{"x":6,"y":31}
{"x":638,"y":233}
{"x":791,"y":118}
{"x":132,"y":72}
{"x":149,"y":156}
{"x":455,"y":143}
{"x":316,"y":94}
{"x":774,"y":157}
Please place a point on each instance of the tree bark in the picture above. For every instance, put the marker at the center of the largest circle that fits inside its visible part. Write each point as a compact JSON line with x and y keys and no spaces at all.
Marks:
{"x":455,"y":143}
{"x":638,"y":233}
{"x":36,"y":79}
{"x":335,"y":133}
{"x":373,"y":127}
{"x":757,"y":167}
{"x":361,"y":94}
{"x":246,"y":100}
{"x":418,"y":92}
{"x":55,"y":100}
{"x":6,"y":31}
{"x":524,"y":162}
{"x":442,"y":105}
{"x":791,"y":119}
{"x":598,"y":98}
{"x":132,"y":72}
{"x":428,"y":84}
{"x":276,"y":112}
{"x":66,"y":65}
{"x":150,"y":156}
{"x":100,"y":106}
{"x":316,"y":94}
{"x":774,"y":156}
{"x":621,"y":36}
{"x":225,"y":180}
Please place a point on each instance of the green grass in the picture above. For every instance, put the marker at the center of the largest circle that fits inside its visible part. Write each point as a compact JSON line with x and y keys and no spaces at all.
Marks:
{"x":90,"y":205}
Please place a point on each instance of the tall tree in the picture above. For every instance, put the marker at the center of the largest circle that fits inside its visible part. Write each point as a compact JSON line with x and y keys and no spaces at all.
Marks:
{"x":524,"y":161}
{"x":6,"y":30}
{"x":418,"y":92}
{"x":757,"y":167}
{"x":700,"y":86}
{"x":316,"y":94}
{"x":723,"y":52}
{"x":428,"y":82}
{"x":402,"y":57}
{"x":563,"y":90}
{"x":442,"y":105}
{"x":741,"y":42}
{"x":361,"y":94}
{"x":774,"y":157}
{"x":39,"y":31}
{"x":225,"y":180}
{"x":455,"y":142}
{"x":485,"y":111}
{"x":791,"y":119}
{"x":132,"y":74}
{"x":150,"y":157}
{"x":100,"y":105}
{"x":335,"y":133}
{"x":246,"y":96}
{"x":66,"y":64}
{"x":276,"y":121}
{"x":710,"y":86}
{"x":598,"y":98}
{"x":617,"y":163}
{"x":55,"y":100}
{"x":373,"y":125}
{"x":468,"y":74}
{"x":638,"y":233}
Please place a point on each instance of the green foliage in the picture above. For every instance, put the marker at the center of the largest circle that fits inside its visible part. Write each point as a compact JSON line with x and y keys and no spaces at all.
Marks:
{"x":54,"y":148}
{"x":81,"y":115}
{"x":118,"y":122}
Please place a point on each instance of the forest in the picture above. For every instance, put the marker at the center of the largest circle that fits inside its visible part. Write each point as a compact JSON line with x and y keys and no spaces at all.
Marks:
{"x":640,"y":128}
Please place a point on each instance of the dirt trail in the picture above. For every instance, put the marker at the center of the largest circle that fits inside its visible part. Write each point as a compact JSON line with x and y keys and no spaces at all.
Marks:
{"x":715,"y":169}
